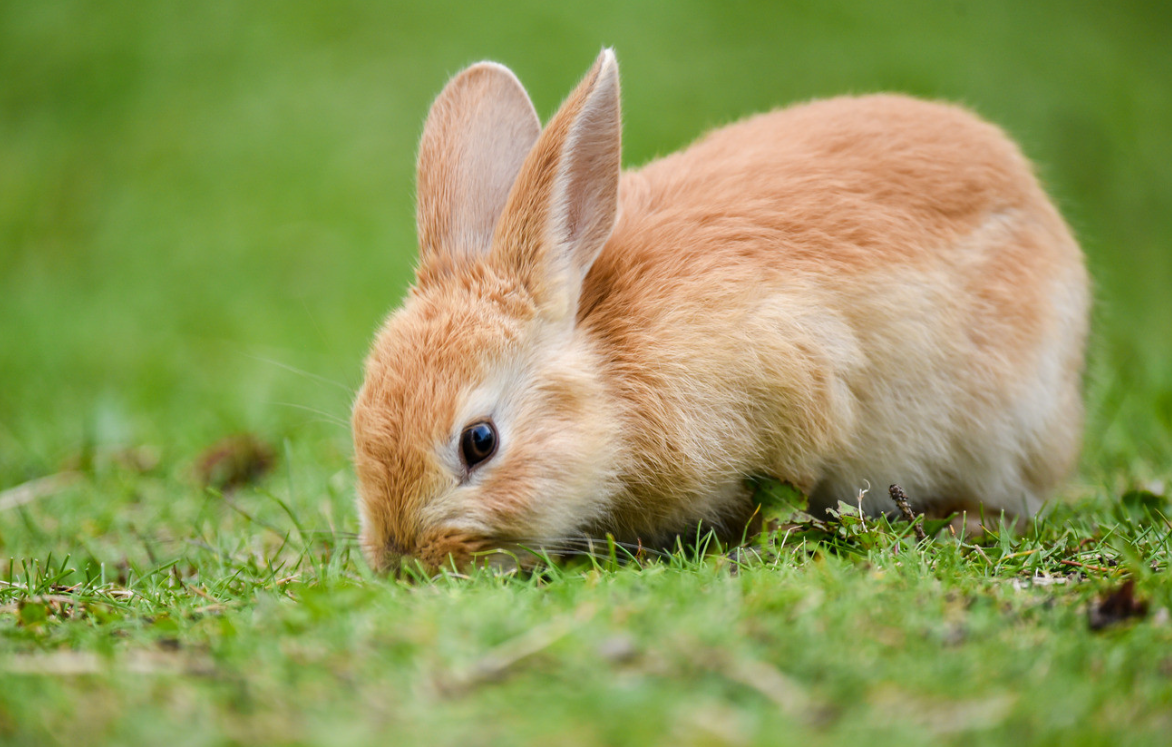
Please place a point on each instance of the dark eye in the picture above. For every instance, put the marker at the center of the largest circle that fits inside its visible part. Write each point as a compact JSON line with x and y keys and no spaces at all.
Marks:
{"x":477,"y":443}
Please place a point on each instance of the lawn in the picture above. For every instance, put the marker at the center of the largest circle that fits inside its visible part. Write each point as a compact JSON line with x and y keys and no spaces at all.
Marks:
{"x":204,"y":213}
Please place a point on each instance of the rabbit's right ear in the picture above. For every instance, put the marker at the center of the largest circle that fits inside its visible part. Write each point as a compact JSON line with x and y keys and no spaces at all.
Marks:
{"x":565,"y":202}
{"x":477,"y":135}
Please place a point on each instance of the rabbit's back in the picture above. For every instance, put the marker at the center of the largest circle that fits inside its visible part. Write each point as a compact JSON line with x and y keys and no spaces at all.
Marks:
{"x":882,"y":278}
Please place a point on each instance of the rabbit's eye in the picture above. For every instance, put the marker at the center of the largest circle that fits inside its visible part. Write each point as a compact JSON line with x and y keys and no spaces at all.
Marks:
{"x":478,"y":443}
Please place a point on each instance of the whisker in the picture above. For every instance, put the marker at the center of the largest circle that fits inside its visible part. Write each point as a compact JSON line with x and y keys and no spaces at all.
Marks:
{"x":322,"y":420}
{"x":602,"y":544}
{"x":328,"y":533}
{"x":568,"y":553}
{"x":328,"y":417}
{"x":585,"y":546}
{"x":555,"y":552}
{"x":313,"y":319}
{"x":307,"y":374}
{"x":574,"y":538}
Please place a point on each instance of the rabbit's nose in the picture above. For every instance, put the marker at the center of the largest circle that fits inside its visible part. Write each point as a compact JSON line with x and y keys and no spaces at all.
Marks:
{"x":396,"y":556}
{"x":395,"y":547}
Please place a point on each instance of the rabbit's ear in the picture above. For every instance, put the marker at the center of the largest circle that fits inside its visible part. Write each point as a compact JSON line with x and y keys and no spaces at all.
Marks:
{"x":564,"y":205}
{"x":477,"y":135}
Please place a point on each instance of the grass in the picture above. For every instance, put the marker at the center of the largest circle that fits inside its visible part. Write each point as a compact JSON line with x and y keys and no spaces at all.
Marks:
{"x":205,"y":211}
{"x":250,"y":636}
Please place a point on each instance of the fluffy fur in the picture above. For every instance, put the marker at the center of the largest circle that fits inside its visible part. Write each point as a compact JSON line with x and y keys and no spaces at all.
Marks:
{"x":852,"y":292}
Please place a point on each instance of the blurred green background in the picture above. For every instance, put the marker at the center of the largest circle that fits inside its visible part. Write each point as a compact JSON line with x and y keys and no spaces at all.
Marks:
{"x":195,"y":197}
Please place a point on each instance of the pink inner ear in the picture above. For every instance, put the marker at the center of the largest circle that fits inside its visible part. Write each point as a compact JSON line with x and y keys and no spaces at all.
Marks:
{"x":562,"y":208}
{"x":591,"y":166}
{"x":477,"y":135}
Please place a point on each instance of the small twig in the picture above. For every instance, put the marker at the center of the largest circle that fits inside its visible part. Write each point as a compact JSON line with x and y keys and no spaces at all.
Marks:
{"x":862,"y":516}
{"x":905,"y":508}
{"x":1021,"y":554}
{"x":977,"y":549}
{"x":1098,"y":568}
{"x":202,"y":593}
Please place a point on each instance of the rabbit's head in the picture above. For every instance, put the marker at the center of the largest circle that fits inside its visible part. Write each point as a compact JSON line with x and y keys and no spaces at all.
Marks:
{"x":485,"y":422}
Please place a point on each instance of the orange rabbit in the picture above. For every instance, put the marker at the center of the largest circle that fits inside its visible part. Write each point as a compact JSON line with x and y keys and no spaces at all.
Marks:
{"x":849,"y":292}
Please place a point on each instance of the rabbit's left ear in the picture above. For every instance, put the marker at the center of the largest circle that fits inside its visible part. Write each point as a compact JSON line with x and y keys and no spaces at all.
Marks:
{"x":563,"y":207}
{"x":477,"y":135}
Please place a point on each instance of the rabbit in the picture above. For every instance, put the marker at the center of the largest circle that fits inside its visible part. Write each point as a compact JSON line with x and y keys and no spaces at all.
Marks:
{"x":850,"y":292}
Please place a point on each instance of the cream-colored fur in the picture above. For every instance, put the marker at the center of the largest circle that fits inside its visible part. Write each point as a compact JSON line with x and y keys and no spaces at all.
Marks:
{"x":852,"y":292}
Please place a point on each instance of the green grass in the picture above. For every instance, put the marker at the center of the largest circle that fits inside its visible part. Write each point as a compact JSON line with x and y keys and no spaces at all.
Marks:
{"x":205,"y":211}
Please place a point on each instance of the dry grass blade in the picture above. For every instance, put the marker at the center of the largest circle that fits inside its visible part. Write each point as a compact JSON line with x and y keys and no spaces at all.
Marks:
{"x":790,"y":697}
{"x":783,"y":691}
{"x":76,"y":663}
{"x":497,"y":662}
{"x":32,"y":490}
{"x":940,"y":716}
